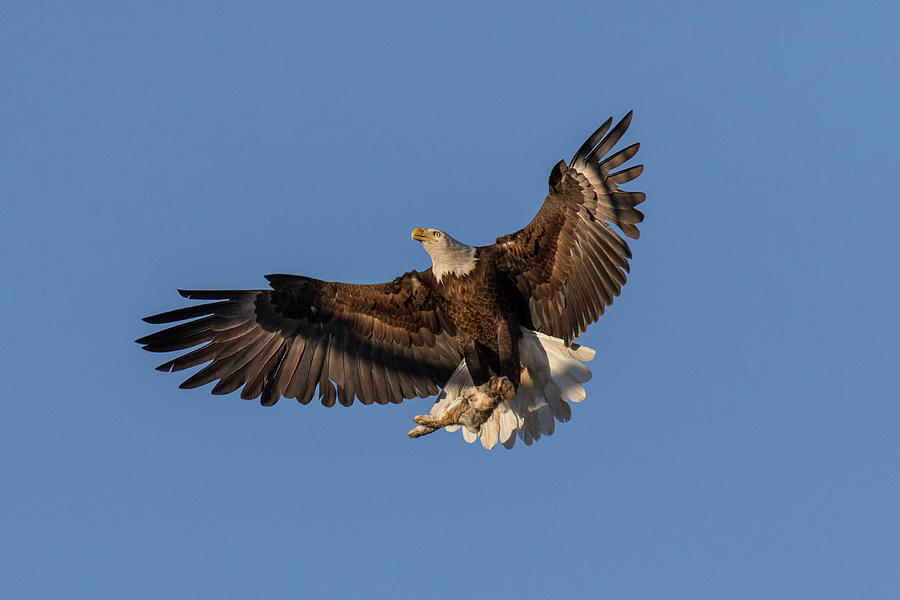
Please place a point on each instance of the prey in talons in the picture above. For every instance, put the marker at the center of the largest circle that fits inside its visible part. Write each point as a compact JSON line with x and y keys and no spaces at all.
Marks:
{"x":474,"y":408}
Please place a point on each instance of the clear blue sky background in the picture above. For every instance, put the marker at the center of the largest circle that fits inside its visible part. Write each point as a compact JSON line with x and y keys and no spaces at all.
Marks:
{"x":740,"y":437}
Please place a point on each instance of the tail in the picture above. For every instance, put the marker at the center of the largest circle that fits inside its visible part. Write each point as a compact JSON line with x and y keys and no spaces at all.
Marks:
{"x":552,"y":376}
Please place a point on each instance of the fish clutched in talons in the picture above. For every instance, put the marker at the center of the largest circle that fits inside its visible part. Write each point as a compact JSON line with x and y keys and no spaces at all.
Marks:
{"x":473,"y":409}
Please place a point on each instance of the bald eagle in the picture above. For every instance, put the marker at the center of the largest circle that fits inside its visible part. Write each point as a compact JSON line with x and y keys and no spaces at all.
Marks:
{"x":488,"y":328}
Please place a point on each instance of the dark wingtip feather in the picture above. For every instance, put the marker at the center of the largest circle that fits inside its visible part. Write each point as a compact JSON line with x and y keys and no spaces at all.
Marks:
{"x":639,"y":216}
{"x":188,"y":312}
{"x":267,"y":398}
{"x":592,"y":141}
{"x":630,"y":230}
{"x":612,"y":138}
{"x":626,"y":175}
{"x":620,"y":157}
{"x":215,"y":294}
{"x":158,"y":319}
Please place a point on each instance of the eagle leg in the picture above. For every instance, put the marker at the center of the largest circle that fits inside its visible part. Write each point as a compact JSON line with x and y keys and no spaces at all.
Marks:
{"x":474,"y":407}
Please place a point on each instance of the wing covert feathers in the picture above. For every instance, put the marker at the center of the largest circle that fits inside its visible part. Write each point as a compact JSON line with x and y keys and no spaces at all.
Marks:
{"x":569,"y":262}
{"x":304,"y":337}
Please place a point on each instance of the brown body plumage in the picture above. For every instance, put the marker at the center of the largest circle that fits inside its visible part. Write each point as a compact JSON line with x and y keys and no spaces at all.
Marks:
{"x":403,"y":339}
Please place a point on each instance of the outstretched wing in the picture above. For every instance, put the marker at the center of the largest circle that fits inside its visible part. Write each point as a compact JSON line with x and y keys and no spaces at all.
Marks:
{"x":380,"y":343}
{"x":568,"y":261}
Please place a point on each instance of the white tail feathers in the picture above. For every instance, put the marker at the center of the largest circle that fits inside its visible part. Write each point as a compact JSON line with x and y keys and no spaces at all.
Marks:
{"x":552,"y":376}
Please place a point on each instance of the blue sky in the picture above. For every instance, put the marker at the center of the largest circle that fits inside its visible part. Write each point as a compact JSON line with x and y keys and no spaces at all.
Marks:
{"x":740,"y":436}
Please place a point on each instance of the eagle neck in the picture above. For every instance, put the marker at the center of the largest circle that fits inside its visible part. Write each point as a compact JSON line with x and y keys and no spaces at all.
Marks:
{"x":451,"y":258}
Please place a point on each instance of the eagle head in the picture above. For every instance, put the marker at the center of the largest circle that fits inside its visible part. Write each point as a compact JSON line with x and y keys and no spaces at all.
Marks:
{"x":448,"y":256}
{"x":428,"y":235}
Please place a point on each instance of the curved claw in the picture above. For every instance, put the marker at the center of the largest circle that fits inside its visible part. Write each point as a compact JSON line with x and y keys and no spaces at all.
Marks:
{"x":503,"y":387}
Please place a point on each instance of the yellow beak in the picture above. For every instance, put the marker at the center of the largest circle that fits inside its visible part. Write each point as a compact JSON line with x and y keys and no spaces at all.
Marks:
{"x":420,"y":234}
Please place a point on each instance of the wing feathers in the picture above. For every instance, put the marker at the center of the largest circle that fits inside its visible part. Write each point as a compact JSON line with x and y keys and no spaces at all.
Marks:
{"x":619,"y":157}
{"x":347,"y":390}
{"x":188,"y":312}
{"x":305,"y":337}
{"x":258,"y":370}
{"x":303,"y":381}
{"x":610,"y":140}
{"x":366,"y":390}
{"x":593,"y":140}
{"x":278,"y":384}
{"x":336,"y":364}
{"x":160,"y":341}
{"x":191,"y":359}
{"x":568,"y":261}
{"x":379,"y":379}
{"x":627,"y":175}
{"x":216,"y":294}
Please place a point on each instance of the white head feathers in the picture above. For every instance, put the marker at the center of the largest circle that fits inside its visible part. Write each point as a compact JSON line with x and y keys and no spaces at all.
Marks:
{"x":448,"y":256}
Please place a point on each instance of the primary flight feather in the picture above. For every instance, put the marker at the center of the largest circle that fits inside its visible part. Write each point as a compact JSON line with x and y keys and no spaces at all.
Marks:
{"x":488,"y":328}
